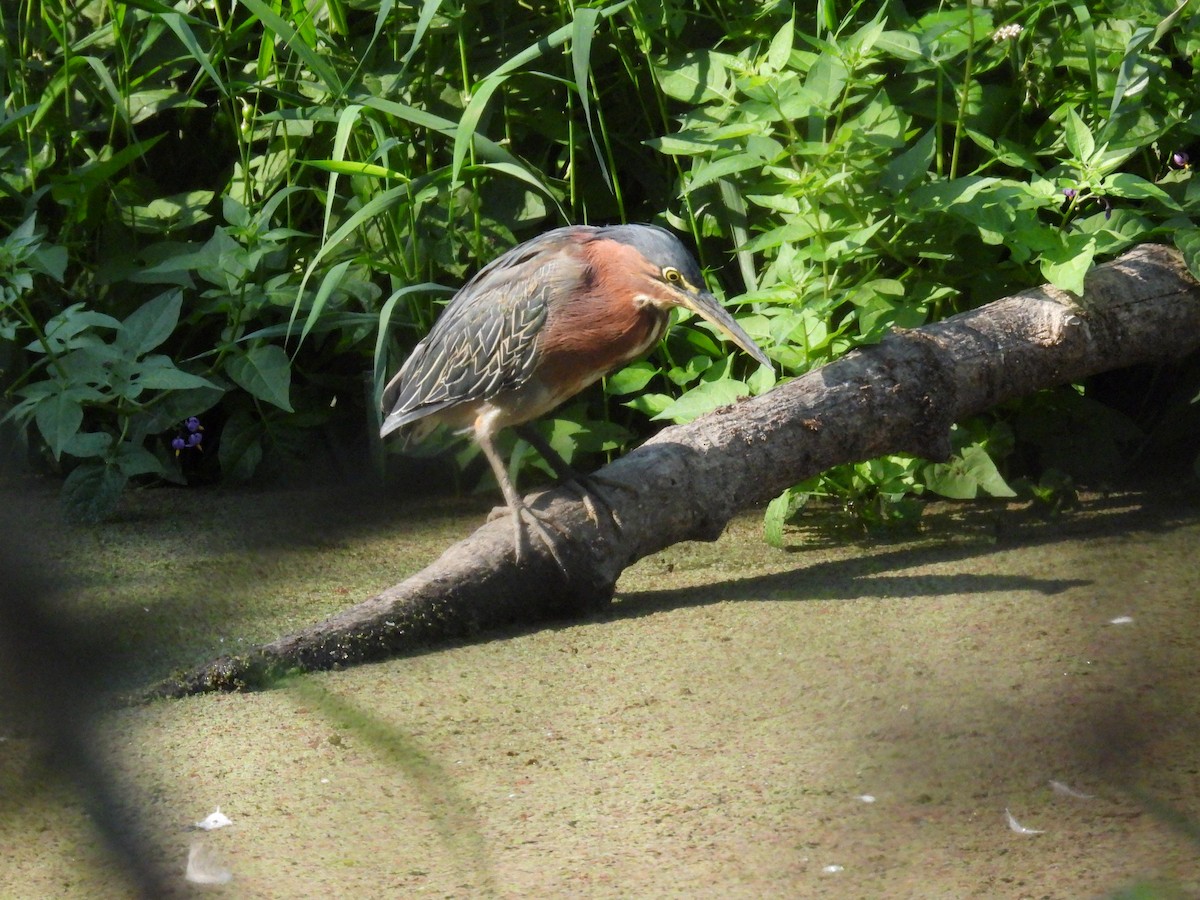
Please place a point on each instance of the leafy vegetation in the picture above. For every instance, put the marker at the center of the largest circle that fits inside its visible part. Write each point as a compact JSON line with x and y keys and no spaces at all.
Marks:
{"x":231,"y":213}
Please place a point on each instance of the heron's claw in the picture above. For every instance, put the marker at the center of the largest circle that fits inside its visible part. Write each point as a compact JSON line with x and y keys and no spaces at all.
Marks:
{"x":586,"y":488}
{"x":525,"y":518}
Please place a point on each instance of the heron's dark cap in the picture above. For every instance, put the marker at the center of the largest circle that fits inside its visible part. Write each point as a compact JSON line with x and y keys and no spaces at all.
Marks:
{"x":659,"y":246}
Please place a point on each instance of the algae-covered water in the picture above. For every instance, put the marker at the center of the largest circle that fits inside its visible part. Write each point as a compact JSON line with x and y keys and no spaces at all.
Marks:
{"x":846,"y":718}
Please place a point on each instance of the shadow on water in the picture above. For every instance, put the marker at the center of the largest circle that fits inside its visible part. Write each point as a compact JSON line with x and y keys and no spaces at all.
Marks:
{"x":951,"y":534}
{"x":55,"y":674}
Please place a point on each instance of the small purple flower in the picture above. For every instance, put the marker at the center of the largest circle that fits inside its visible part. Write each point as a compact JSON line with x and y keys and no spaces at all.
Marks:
{"x":178,"y":443}
{"x":1180,"y":159}
{"x":193,"y":425}
{"x":194,"y":439}
{"x":1107,"y":207}
{"x":1070,"y":193}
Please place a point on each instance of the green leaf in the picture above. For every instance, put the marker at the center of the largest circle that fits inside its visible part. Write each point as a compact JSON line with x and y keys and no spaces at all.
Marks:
{"x":704,"y":398}
{"x":630,"y":379}
{"x":900,"y":44}
{"x":825,"y":80}
{"x":909,"y":165}
{"x":88,"y":443}
{"x":133,"y":459}
{"x":58,"y":418}
{"x":778,"y":511}
{"x":1065,"y":267}
{"x":965,"y":477}
{"x":151,"y":323}
{"x":780,"y":50}
{"x":170,"y":409}
{"x":697,"y":77}
{"x":1134,"y":187}
{"x":264,"y":372}
{"x":160,"y":373}
{"x":49,"y":259}
{"x":349,"y":167}
{"x":708,"y":172}
{"x":468,"y":125}
{"x":91,"y":492}
{"x":1188,"y":242}
{"x":331,"y":281}
{"x":71,"y":329}
{"x":650,"y":404}
{"x":240,"y":450}
{"x":274,"y":22}
{"x":1079,"y":138}
{"x":582,"y":31}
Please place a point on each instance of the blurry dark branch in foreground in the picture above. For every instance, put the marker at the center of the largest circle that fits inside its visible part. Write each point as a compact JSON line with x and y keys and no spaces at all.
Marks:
{"x":54,"y":673}
{"x":901,"y":395}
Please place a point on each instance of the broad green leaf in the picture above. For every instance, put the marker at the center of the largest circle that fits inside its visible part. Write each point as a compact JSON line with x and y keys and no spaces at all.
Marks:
{"x":170,"y":409}
{"x":1066,"y":266}
{"x":71,"y":328}
{"x":49,"y":259}
{"x":826,"y":80}
{"x":264,"y":372}
{"x":1188,"y":242}
{"x":696,"y":78}
{"x":630,"y":379}
{"x":91,"y":492}
{"x":706,"y":173}
{"x":58,"y":418}
{"x":704,"y":398}
{"x":762,"y":380}
{"x":150,"y":324}
{"x":133,"y":459}
{"x":900,"y":44}
{"x":1134,"y":187}
{"x":160,"y":373}
{"x":649,"y":404}
{"x":910,"y":165}
{"x":943,"y":194}
{"x":780,"y":49}
{"x":88,"y":443}
{"x":682,"y":144}
{"x":1079,"y":138}
{"x":967,"y":476}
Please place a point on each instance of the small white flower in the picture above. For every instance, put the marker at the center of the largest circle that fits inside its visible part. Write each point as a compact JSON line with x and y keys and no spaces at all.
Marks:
{"x":834,"y":868}
{"x":1006,"y":32}
{"x":1121,"y":620}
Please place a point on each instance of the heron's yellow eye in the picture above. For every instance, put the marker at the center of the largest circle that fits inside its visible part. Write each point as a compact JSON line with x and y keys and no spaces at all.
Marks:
{"x":672,"y":276}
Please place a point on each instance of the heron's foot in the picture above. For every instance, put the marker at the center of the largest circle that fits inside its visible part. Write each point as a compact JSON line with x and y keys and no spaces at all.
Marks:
{"x":526,"y":519}
{"x":586,"y":488}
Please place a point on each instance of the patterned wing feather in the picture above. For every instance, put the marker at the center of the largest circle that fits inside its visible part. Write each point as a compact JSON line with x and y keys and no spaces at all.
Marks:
{"x":484,"y":342}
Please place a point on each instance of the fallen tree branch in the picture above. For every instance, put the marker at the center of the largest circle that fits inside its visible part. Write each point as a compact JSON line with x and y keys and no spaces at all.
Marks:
{"x":901,"y":395}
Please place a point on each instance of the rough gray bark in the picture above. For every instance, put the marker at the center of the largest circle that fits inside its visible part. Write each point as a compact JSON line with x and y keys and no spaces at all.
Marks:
{"x":901,"y":395}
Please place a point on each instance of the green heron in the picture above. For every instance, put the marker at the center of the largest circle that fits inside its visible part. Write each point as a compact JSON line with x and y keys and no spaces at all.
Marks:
{"x":538,"y":325}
